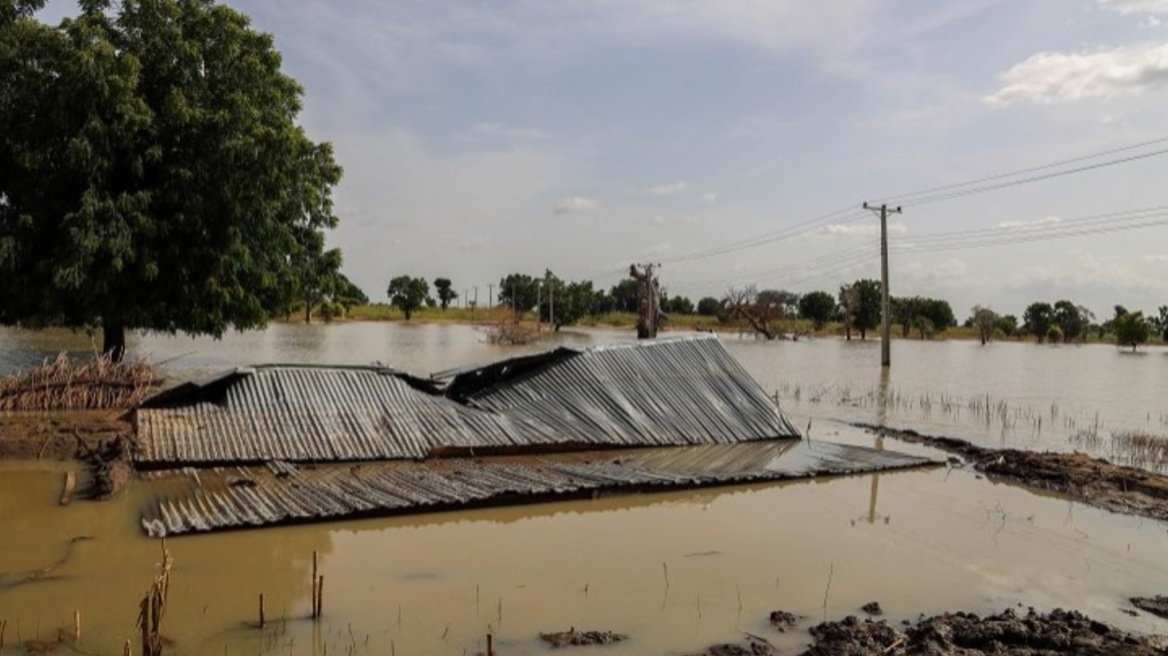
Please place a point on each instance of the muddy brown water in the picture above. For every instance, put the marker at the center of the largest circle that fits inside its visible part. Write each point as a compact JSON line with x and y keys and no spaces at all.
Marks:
{"x":675,"y":571}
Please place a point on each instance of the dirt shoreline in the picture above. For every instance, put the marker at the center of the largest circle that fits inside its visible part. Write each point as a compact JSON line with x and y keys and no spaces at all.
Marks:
{"x":1080,"y":477}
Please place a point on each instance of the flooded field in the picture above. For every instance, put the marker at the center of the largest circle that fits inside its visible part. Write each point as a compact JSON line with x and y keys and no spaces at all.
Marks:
{"x":675,"y":571}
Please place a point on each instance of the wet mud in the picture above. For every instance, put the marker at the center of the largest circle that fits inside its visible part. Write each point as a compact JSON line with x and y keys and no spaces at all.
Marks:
{"x":574,"y":638}
{"x":1008,"y":633}
{"x":1157,"y":605}
{"x":58,"y":435}
{"x":1089,"y":480}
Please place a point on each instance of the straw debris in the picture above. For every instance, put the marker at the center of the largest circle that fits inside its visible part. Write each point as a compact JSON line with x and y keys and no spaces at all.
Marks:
{"x":71,"y":384}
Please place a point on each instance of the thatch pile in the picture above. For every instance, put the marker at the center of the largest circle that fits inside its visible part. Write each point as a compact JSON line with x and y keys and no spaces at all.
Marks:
{"x":68,"y":384}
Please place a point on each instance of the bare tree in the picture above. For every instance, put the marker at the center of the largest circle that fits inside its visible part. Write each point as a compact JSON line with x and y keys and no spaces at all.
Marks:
{"x":849,"y":299}
{"x":985,"y":321}
{"x":651,"y":316}
{"x":767,"y":311}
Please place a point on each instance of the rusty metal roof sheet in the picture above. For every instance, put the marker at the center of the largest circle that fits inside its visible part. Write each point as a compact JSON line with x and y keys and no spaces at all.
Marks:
{"x":669,"y":392}
{"x":192,"y":500}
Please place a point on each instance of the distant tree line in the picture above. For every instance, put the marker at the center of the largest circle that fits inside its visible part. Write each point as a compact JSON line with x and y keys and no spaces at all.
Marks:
{"x":777,"y":313}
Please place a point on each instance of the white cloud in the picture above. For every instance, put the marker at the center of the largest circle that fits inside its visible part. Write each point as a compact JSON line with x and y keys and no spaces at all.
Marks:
{"x":709,"y":198}
{"x":1049,"y":77}
{"x":1150,"y":23}
{"x":667,"y":189}
{"x":1159,"y":257}
{"x":1136,"y":6}
{"x":683,"y":220}
{"x":1015,"y":223}
{"x":576,"y":204}
{"x":863,"y":229}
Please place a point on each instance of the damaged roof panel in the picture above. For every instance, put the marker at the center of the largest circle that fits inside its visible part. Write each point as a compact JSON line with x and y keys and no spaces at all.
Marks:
{"x":669,"y":392}
{"x":186,"y":501}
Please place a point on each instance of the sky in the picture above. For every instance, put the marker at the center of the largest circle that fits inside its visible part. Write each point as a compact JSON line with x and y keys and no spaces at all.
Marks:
{"x":483,"y":137}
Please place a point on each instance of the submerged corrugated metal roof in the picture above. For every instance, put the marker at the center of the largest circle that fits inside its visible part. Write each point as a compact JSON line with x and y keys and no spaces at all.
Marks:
{"x":239,"y":497}
{"x":306,"y":413}
{"x":666,"y":392}
{"x":669,"y":392}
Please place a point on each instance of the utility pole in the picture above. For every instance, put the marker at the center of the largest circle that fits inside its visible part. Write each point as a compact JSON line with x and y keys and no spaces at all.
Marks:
{"x":552,"y":307}
{"x":490,"y":296}
{"x":885,"y":312}
{"x":538,"y":305}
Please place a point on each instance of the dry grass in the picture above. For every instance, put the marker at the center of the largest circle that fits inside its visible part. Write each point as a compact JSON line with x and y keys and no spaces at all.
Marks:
{"x":68,"y":384}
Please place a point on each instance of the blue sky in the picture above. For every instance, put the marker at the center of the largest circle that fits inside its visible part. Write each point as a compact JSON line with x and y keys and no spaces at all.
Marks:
{"x":484,"y":137}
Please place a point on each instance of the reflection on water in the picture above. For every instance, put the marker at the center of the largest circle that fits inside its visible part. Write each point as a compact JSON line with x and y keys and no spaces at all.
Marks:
{"x":439,"y":583}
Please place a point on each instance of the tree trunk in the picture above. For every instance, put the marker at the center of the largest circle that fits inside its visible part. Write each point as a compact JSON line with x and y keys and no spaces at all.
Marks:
{"x":307,"y":312}
{"x":408,"y":313}
{"x":113,"y":340}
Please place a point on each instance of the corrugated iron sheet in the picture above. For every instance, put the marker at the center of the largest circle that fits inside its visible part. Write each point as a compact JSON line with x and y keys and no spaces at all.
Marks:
{"x":667,"y":392}
{"x":304,"y":413}
{"x":670,"y":392}
{"x":240,"y":497}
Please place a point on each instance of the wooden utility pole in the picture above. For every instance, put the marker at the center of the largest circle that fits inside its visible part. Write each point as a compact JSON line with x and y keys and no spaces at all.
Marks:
{"x":885,"y":313}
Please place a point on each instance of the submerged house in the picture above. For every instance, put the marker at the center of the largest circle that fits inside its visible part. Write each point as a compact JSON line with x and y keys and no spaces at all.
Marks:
{"x":275,"y":444}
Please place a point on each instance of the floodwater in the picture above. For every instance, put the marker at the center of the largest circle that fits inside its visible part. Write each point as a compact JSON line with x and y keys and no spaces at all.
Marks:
{"x":676,"y":571}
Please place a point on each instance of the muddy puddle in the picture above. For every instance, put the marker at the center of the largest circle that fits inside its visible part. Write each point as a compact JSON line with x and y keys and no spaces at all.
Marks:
{"x":674,"y":571}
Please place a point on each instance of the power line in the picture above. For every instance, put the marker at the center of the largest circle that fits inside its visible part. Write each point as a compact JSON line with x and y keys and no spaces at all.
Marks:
{"x":903,"y":198}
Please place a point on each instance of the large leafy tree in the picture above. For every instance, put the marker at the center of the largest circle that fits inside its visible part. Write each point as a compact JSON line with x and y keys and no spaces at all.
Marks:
{"x":626,"y":294}
{"x":1073,"y":320}
{"x":1038,"y":319}
{"x":152,"y":174}
{"x":817,"y":307}
{"x":985,"y":321}
{"x":867,"y":306}
{"x":519,"y":291}
{"x":709,"y":306}
{"x":1132,"y":329}
{"x":408,"y":294}
{"x":442,"y":287}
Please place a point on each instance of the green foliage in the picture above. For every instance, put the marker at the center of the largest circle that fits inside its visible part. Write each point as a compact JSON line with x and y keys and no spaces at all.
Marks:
{"x":985,"y":321}
{"x":1161,"y":323}
{"x":818,"y":308}
{"x":1007,"y":324}
{"x":152,"y":174}
{"x":1132,"y":329}
{"x":1037,"y":320}
{"x":1073,"y":320}
{"x":709,"y":307}
{"x":347,"y":294}
{"x":408,"y":294}
{"x":1054,"y":334}
{"x":677,"y":305}
{"x":442,"y":287}
{"x":906,"y":311}
{"x":867,"y":306}
{"x":574,"y":301}
{"x":626,"y":296}
{"x":519,"y":291}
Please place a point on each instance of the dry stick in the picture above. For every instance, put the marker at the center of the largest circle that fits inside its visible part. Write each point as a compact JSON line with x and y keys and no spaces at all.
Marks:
{"x":126,"y":651}
{"x":76,"y":627}
{"x":490,"y":645}
{"x":67,"y":491}
{"x":890,"y":648}
{"x":665,"y":569}
{"x":320,"y":596}
{"x":826,"y":591}
{"x":3,"y":626}
{"x":314,"y":615}
{"x":262,"y":611}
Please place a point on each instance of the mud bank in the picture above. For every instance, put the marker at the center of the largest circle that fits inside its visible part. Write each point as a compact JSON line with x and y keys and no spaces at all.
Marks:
{"x":1078,"y":476}
{"x":1008,"y":633}
{"x":59,"y":434}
